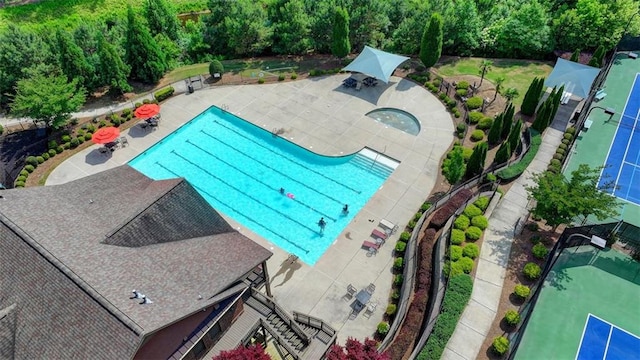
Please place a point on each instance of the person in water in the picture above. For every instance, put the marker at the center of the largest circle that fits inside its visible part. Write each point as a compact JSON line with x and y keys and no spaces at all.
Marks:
{"x":281,"y":190}
{"x":322,"y":224}
{"x":345,"y":208}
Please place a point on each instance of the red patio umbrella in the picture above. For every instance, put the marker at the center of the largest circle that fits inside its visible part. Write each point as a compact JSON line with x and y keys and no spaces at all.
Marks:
{"x":147,"y":110}
{"x":105,"y":135}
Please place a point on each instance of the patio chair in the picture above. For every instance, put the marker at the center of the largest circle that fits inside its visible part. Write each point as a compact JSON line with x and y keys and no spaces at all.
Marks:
{"x":123,"y":141}
{"x":350,"y":292}
{"x":104,"y":150}
{"x":371,"y":308}
{"x":371,"y":288}
{"x":377,"y":234}
{"x":143,"y":124}
{"x":389,"y":227}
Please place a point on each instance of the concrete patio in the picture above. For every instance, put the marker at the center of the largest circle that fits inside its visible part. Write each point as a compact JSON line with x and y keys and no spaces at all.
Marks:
{"x":323,"y":116}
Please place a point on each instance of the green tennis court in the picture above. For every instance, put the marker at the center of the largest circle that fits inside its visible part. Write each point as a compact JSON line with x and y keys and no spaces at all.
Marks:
{"x":584,"y":281}
{"x":594,"y":144}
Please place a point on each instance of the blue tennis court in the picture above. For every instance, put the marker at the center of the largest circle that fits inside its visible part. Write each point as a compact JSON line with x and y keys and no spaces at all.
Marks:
{"x":602,"y":340}
{"x":623,"y":160}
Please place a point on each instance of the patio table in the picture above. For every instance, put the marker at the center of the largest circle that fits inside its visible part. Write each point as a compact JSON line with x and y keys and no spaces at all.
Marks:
{"x":363,"y":296}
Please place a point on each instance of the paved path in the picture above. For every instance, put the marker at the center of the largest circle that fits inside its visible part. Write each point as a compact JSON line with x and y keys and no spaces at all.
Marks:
{"x":476,"y":320}
{"x":321,"y":115}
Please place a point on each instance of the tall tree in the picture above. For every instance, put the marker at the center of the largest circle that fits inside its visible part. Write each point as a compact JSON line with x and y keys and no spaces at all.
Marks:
{"x":111,"y":70}
{"x":162,"y":18}
{"x":368,"y":22}
{"x":461,"y":37}
{"x":291,"y":27}
{"x":475,"y":166}
{"x":499,"y":81}
{"x":485,"y":67}
{"x":596,"y":58}
{"x":510,"y":94}
{"x":525,"y":32}
{"x":507,"y":121}
{"x":495,"y":132}
{"x":431,"y":44}
{"x":575,"y":57}
{"x":514,"y":136}
{"x":542,"y":117}
{"x":532,"y":97}
{"x":196,"y":49}
{"x":246,"y":27}
{"x":453,"y":167}
{"x":559,"y":200}
{"x":47,"y":98}
{"x":503,"y":154}
{"x":410,"y":17}
{"x":215,"y":32}
{"x":321,"y":26}
{"x":142,"y":53}
{"x":72,"y":60}
{"x":340,"y":46}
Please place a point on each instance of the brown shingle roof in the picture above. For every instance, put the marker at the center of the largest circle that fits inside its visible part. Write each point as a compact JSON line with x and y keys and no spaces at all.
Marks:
{"x":75,"y":223}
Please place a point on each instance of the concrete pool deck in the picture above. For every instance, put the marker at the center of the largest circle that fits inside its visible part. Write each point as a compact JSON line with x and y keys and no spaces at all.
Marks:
{"x":323,"y":116}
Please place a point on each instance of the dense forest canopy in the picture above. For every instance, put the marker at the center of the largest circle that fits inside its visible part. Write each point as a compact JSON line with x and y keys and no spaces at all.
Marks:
{"x":149,"y":40}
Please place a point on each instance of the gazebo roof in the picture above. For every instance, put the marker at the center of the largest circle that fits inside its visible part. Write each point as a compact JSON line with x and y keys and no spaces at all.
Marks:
{"x":576,"y":78}
{"x":376,"y":63}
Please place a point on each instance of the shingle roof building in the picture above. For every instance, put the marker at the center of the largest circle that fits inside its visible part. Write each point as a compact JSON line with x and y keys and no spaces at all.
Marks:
{"x":71,"y":254}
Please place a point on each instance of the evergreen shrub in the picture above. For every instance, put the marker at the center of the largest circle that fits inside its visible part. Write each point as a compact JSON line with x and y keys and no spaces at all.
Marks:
{"x":462,"y":222}
{"x":471,"y":251}
{"x":473,"y":233}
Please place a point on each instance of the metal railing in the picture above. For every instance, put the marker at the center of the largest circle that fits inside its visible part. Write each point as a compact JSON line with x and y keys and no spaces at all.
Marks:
{"x":314,"y":322}
{"x":282,"y":314}
{"x":267,"y":327}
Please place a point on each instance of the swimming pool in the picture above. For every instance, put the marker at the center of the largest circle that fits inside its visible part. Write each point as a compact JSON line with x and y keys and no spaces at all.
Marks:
{"x":240,"y":170}
{"x":396,"y":118}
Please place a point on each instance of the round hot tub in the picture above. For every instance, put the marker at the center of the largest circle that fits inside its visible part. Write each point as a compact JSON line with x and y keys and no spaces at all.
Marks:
{"x":396,"y":118}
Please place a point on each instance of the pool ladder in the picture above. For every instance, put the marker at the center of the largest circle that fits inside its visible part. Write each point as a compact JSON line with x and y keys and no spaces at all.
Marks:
{"x":224,"y":107}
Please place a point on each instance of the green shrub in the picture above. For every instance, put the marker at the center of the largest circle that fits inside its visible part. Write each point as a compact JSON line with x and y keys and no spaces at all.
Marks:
{"x":126,"y":112}
{"x":521,"y":291}
{"x":455,"y":253}
{"x":40,"y":159}
{"x":567,"y":136}
{"x":31,"y":160}
{"x":395,"y":295}
{"x":59,"y":149}
{"x":436,"y":82}
{"x":24,"y":178}
{"x":87,"y":136}
{"x":561,"y":151}
{"x":466,"y":153}
{"x":146,"y":101}
{"x":562,"y":146}
{"x":1,"y":130}
{"x":457,"y":236}
{"x":66,"y":138}
{"x":391,"y":309}
{"x":45,"y":156}
{"x":91,"y":128}
{"x":511,"y":317}
{"x":460,"y":128}
{"x":52,"y":144}
{"x":571,"y":130}
{"x":532,"y":226}
{"x":485,"y":123}
{"x":52,"y":152}
{"x":500,"y":345}
{"x":383,"y":328}
{"x":451,"y":103}
{"x":453,"y":269}
{"x":411,"y":224}
{"x":401,"y":246}
{"x":405,"y":236}
{"x":281,"y":77}
{"x":475,"y":117}
{"x":461,"y":92}
{"x":555,"y":162}
{"x":294,"y":76}
{"x":462,"y":222}
{"x":74,"y":142}
{"x":539,"y":251}
{"x":29,"y":168}
{"x":397,"y":280}
{"x":19,"y":184}
{"x":163,"y":94}
{"x":480,"y":222}
{"x":517,"y":169}
{"x":462,"y":85}
{"x":483,"y":202}
{"x":490,"y":177}
{"x":398,"y":263}
{"x":473,"y":233}
{"x":425,"y":206}
{"x":471,"y":210}
{"x":474,"y":102}
{"x":24,"y":172}
{"x":532,"y":271}
{"x":477,"y":135}
{"x":471,"y":251}
{"x":535,"y":239}
{"x":466,"y":264}
{"x":566,"y":141}
{"x":216,"y":67}
{"x":66,"y":146}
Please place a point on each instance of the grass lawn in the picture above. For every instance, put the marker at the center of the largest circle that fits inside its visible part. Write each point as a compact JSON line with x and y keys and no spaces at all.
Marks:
{"x":517,"y":73}
{"x":69,"y":13}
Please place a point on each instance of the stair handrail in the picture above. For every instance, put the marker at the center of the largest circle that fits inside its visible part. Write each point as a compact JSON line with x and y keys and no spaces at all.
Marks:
{"x":314,"y":322}
{"x":282,"y":342}
{"x":282,"y":314}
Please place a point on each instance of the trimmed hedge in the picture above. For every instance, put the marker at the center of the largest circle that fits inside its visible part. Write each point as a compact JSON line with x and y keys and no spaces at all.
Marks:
{"x":457,"y":236}
{"x":455,"y":253}
{"x":500,"y":345}
{"x":163,"y":94}
{"x":401,"y":246}
{"x":472,"y":211}
{"x":477,"y":135}
{"x":461,"y":223}
{"x":449,"y":208}
{"x":511,"y":317}
{"x":480,"y":222}
{"x":475,"y":117}
{"x":471,"y":251}
{"x":455,"y":300}
{"x":485,"y":123}
{"x":539,"y":250}
{"x":517,"y":169}
{"x":413,"y":321}
{"x":473,"y":233}
{"x":521,"y":291}
{"x":483,"y":201}
{"x":474,"y":102}
{"x":466,"y":264}
{"x":532,"y":271}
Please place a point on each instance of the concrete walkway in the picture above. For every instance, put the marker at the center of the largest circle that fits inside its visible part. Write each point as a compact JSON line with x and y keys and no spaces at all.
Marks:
{"x":476,"y":320}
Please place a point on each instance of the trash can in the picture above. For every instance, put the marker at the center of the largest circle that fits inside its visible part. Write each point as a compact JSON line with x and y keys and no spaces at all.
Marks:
{"x":190,"y":88}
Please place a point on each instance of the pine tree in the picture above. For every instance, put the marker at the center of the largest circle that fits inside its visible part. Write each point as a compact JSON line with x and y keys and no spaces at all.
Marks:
{"x":496,"y":130}
{"x":532,"y":97}
{"x":503,"y":154}
{"x":556,"y":104}
{"x":476,"y":161}
{"x":575,"y":57}
{"x":72,"y":61}
{"x":162,"y":18}
{"x":596,"y":58}
{"x":514,"y":136}
{"x":540,"y":122}
{"x":340,"y":45}
{"x":431,"y":44}
{"x":142,"y":53}
{"x":507,"y":121}
{"x":453,"y":167}
{"x":111,"y":71}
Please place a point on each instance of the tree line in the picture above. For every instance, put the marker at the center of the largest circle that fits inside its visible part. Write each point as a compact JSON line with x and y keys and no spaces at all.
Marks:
{"x":144,"y":46}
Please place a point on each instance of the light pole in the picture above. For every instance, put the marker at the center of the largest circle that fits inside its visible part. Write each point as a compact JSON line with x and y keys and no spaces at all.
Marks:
{"x":609,"y":111}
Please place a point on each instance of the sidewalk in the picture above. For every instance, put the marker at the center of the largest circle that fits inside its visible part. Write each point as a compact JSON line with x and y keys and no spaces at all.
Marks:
{"x":476,"y":320}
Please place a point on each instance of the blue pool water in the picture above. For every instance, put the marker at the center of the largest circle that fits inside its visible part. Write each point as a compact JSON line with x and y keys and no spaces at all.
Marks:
{"x":239,"y":169}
